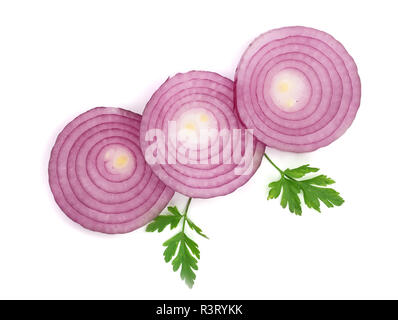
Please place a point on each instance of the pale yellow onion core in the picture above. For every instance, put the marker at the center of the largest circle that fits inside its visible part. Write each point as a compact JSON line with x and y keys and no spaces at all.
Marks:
{"x":121,"y":161}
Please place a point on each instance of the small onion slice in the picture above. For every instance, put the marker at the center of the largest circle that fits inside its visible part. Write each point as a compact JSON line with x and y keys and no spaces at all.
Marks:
{"x":99,"y":177}
{"x":298,"y":88}
{"x":195,"y":101}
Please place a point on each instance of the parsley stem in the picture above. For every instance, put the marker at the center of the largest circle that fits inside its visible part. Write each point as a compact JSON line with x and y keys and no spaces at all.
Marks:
{"x":277,"y":168}
{"x":186,"y":214}
{"x":273,"y":164}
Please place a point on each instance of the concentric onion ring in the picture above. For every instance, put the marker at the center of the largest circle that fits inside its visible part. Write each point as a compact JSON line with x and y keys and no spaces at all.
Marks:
{"x":99,"y":177}
{"x":298,"y":88}
{"x":196,"y":101}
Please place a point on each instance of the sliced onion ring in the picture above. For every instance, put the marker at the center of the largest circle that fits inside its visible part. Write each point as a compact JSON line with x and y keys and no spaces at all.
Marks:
{"x":99,"y":177}
{"x":195,"y":100}
{"x":298,"y":88}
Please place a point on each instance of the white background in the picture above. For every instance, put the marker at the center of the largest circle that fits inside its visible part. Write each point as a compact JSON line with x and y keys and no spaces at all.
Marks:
{"x":60,"y":58}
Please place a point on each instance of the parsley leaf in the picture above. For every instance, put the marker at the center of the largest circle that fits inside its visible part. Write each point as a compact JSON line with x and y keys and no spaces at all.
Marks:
{"x":161,"y":222}
{"x":186,"y":260}
{"x":300,"y":171}
{"x":312,"y":189}
{"x":172,"y":245}
{"x":181,"y":250}
{"x":290,"y":196}
{"x":313,"y":194}
{"x":196,"y":228}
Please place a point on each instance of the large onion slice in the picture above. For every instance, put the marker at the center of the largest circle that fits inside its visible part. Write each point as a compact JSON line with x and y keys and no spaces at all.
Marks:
{"x":298,"y":88}
{"x":196,"y":101}
{"x":98,"y":174}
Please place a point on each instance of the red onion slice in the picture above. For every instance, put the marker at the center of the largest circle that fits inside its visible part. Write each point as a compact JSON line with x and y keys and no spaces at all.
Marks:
{"x":298,"y":88}
{"x":196,"y":101}
{"x":99,"y":177}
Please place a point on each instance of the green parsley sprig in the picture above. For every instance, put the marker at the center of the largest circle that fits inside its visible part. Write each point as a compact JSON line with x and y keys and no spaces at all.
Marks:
{"x":313,"y":189}
{"x":181,"y":247}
